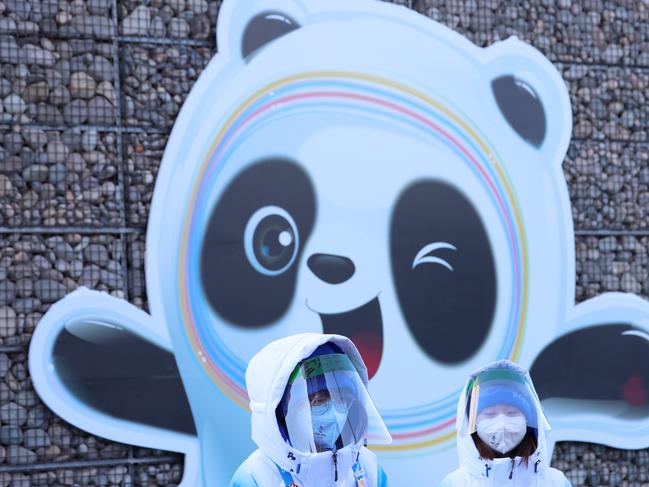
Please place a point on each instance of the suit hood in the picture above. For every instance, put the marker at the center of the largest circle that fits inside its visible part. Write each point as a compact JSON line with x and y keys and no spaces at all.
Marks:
{"x":266,"y":378}
{"x":469,"y":457}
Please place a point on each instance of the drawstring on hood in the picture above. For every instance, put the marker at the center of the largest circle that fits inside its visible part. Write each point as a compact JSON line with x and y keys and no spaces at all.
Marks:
{"x":335,"y":467}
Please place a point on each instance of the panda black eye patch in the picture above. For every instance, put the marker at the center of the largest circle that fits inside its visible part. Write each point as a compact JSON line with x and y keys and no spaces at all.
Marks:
{"x":443,"y":270}
{"x":253,"y":242}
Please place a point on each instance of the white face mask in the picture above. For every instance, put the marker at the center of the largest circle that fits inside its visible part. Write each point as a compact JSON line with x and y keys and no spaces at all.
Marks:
{"x":501,"y":431}
{"x":327,"y":416}
{"x":325,"y":430}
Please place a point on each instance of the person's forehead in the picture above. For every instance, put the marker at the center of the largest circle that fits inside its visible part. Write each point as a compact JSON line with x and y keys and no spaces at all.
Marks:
{"x":323,"y":392}
{"x":500,"y":407}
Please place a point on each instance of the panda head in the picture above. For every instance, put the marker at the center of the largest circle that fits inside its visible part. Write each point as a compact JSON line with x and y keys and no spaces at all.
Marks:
{"x":355,"y":168}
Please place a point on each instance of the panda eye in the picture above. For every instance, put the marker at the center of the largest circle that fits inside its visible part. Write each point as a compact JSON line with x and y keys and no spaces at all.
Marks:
{"x":254,"y":239}
{"x":424,"y":257}
{"x":271,"y":240}
{"x":430,"y":220}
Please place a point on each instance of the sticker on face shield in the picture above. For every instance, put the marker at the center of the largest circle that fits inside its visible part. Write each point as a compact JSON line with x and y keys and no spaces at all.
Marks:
{"x":322,"y":364}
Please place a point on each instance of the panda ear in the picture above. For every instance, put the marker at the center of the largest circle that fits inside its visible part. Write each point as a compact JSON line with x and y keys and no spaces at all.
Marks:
{"x":244,"y":27}
{"x":265,"y":28}
{"x":521,"y":107}
{"x":528,"y":92}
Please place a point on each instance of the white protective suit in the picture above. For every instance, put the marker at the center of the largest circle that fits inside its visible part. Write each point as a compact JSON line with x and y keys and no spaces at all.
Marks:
{"x":276,"y":463}
{"x":475,"y":471}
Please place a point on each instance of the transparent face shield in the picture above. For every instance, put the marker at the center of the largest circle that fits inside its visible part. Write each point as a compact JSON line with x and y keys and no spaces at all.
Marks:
{"x":327,"y":407}
{"x":502,"y":392}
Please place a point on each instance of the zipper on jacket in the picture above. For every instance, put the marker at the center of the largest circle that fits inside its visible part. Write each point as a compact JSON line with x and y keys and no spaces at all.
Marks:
{"x":486,"y":469}
{"x":536,"y":466}
{"x":335,"y":467}
{"x":511,"y":472}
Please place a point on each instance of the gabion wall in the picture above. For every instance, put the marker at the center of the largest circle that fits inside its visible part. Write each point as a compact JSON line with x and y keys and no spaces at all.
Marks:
{"x":89,"y":90}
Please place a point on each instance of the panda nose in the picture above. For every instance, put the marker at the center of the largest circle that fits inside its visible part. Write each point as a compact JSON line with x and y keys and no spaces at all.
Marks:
{"x":333,"y":269}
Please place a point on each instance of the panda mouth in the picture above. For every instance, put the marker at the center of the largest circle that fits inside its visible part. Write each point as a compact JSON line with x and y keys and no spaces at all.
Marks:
{"x":364,"y":326}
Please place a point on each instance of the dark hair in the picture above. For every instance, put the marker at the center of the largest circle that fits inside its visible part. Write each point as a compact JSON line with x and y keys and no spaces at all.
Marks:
{"x":525,"y":448}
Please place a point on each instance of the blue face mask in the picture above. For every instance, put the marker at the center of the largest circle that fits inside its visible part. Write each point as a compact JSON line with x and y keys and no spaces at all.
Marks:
{"x":324,"y":419}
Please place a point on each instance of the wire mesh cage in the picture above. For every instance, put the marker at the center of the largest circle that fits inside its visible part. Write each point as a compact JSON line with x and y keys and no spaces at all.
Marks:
{"x":89,"y":90}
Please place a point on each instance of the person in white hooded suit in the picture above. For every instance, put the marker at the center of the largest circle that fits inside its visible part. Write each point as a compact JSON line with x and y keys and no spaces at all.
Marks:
{"x":501,"y":432}
{"x":311,"y":416}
